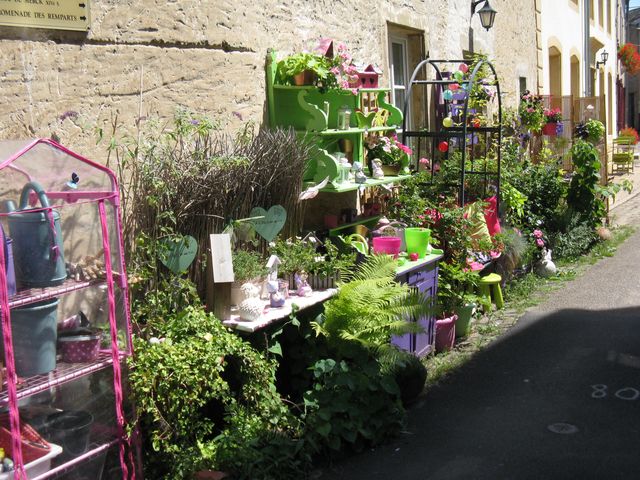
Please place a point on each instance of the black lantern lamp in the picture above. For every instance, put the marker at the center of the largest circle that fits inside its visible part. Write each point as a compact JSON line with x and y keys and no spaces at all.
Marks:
{"x":604,"y":56}
{"x":486,"y":13}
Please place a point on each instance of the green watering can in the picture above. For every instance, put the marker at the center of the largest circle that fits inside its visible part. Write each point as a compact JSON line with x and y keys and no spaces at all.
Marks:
{"x":37,"y":240}
{"x":358,"y":242}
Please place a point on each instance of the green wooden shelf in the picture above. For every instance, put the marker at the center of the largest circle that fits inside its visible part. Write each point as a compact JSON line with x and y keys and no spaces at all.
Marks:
{"x":332,"y":132}
{"x":362,"y":221}
{"x":372,"y":182}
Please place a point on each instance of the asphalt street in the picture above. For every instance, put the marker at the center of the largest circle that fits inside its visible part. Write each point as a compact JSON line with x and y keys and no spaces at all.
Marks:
{"x":557,"y":397}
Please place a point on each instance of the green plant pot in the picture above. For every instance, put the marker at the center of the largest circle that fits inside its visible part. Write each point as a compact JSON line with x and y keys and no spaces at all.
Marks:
{"x":463,"y":323}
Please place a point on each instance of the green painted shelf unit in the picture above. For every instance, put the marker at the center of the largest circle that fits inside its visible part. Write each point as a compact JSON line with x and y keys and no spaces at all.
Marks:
{"x":310,"y":111}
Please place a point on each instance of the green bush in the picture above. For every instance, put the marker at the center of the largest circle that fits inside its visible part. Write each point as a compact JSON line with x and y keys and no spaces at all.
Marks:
{"x":205,"y":396}
{"x":351,"y":406}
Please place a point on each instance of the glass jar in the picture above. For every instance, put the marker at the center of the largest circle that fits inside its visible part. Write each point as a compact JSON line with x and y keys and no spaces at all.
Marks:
{"x":344,"y":118}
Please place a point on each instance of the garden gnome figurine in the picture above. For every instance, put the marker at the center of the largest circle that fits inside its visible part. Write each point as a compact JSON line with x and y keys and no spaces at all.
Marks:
{"x":303,"y":288}
{"x":545,"y":266}
{"x":376,"y":166}
{"x":276,"y":299}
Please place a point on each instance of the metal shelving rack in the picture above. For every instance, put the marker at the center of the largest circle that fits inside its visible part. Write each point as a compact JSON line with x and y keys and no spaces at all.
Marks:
{"x":427,"y":86}
{"x":90,"y":206}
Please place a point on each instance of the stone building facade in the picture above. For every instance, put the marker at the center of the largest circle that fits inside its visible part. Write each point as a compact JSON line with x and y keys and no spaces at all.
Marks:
{"x":142,"y":58}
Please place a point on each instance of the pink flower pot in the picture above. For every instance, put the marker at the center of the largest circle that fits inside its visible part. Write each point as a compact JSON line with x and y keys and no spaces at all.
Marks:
{"x":550,"y":129}
{"x":445,"y":333}
{"x":387,"y":245}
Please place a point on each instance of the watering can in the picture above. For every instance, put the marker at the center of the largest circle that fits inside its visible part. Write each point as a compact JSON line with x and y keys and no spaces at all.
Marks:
{"x":37,"y":240}
{"x":358,"y":242}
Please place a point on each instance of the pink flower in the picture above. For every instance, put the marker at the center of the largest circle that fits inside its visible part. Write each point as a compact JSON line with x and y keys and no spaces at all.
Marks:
{"x":404,"y":148}
{"x":335,"y":70}
{"x":354,"y":91}
{"x":539,"y":242}
{"x":537,"y":233}
{"x":424,"y":161}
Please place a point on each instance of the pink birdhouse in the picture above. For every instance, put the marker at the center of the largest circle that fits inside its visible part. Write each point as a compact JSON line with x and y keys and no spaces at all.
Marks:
{"x":369,"y":76}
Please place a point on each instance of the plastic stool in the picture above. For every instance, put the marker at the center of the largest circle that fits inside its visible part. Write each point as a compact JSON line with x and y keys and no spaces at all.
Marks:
{"x":490,"y":285}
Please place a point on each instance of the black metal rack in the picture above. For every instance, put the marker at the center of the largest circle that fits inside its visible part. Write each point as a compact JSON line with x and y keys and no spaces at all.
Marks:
{"x":427,"y":130}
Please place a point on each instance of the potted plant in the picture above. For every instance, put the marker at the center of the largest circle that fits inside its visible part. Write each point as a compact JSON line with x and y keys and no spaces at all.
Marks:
{"x":630,"y":58}
{"x":393,"y":155}
{"x":302,"y":69}
{"x":322,"y":263}
{"x":531,"y":112}
{"x":591,"y":130}
{"x":553,"y":118}
{"x":248,"y":267}
{"x":630,"y":133}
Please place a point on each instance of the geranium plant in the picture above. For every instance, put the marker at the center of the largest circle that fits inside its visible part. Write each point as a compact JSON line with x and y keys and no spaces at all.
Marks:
{"x":553,"y":115}
{"x":388,"y":149}
{"x":630,"y":58}
{"x":629,"y":132}
{"x":531,"y":111}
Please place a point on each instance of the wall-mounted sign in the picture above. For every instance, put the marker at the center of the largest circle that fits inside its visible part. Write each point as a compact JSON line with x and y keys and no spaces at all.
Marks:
{"x":56,"y":14}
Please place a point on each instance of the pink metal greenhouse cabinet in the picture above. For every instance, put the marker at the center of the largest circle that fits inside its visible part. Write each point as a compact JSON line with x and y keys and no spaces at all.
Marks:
{"x":64,"y":311}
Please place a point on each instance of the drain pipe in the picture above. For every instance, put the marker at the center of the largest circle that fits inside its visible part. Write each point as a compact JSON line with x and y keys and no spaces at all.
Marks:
{"x":588,"y":86}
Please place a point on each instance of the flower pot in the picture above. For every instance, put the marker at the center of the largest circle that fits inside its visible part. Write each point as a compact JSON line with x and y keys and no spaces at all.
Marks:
{"x":391,"y":170}
{"x":306,"y":77}
{"x":463,"y":323}
{"x":236,"y":293}
{"x":70,"y":430}
{"x":34,"y":333}
{"x":79,"y":345}
{"x":387,"y":245}
{"x":445,"y":333}
{"x":550,"y":129}
{"x":417,"y":240}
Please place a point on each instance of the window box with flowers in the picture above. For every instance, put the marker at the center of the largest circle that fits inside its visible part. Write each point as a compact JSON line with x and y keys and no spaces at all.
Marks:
{"x":553,"y":125}
{"x":392,"y":155}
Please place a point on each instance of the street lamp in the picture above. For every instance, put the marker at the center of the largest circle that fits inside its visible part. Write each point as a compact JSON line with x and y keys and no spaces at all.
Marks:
{"x":486,"y":13}
{"x":604,"y":56}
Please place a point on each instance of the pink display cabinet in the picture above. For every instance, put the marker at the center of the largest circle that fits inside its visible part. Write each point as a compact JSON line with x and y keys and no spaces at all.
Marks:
{"x":62,"y":275}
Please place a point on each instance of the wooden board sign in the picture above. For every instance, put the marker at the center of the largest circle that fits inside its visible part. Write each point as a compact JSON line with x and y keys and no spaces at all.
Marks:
{"x":221,"y":261}
{"x":53,"y":14}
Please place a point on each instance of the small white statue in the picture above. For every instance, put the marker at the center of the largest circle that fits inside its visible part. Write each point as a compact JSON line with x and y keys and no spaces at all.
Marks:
{"x":376,"y":166}
{"x":545,"y":266}
{"x":359,"y":176}
{"x":251,"y":307}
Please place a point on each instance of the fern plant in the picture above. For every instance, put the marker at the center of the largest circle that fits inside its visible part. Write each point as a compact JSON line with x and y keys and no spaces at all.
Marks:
{"x":371,"y":306}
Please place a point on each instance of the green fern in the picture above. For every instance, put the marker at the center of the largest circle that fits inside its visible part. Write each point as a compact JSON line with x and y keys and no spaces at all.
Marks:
{"x":372,"y":306}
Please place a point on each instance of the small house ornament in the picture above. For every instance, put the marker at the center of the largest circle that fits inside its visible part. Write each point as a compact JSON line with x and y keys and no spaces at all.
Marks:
{"x":368,"y":76}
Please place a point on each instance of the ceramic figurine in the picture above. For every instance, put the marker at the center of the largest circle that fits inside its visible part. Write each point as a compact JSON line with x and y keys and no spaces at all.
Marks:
{"x":359,"y":176}
{"x":545,"y":266}
{"x":303,"y":288}
{"x":276,"y":298}
{"x":251,"y":307}
{"x":376,"y":166}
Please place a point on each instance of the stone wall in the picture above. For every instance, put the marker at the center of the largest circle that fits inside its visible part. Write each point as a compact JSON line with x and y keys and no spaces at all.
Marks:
{"x":143,"y":58}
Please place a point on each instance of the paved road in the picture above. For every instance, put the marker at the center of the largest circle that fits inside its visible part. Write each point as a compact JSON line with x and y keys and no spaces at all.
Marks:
{"x":558,"y":397}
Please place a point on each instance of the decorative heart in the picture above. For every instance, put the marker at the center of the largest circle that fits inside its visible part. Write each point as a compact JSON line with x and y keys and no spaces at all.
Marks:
{"x":272,"y":222}
{"x":179,"y":253}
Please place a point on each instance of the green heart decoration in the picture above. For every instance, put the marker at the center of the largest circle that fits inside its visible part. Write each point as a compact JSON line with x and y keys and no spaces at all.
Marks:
{"x":271,"y":222}
{"x":179,"y":253}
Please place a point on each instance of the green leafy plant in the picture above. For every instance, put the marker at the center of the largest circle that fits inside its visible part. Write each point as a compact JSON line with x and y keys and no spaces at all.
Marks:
{"x":203,"y":395}
{"x":351,"y":405}
{"x":583,"y":197}
{"x":531,"y":112}
{"x":297,"y":254}
{"x":371,"y":307}
{"x":456,"y":285}
{"x":592,"y":130}
{"x":248,"y":265}
{"x":297,"y":63}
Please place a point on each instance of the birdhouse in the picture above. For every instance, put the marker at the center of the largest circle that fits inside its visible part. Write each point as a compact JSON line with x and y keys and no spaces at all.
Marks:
{"x":325,"y":47}
{"x":368,"y":76}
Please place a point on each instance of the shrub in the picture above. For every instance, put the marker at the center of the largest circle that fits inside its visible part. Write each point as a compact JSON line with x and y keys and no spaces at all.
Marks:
{"x":204,"y":396}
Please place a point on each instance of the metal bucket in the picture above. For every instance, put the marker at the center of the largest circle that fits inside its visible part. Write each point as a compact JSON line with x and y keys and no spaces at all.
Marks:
{"x":37,"y":241}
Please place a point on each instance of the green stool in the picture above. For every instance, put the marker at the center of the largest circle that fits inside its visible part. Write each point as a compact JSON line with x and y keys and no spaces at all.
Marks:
{"x":490,"y":285}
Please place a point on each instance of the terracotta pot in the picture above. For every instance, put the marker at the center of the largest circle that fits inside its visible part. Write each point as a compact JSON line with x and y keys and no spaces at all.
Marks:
{"x":304,"y":78}
{"x":392,"y":170}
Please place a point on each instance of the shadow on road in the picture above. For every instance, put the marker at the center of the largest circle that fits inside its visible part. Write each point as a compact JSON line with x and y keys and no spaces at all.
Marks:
{"x":558,"y":397}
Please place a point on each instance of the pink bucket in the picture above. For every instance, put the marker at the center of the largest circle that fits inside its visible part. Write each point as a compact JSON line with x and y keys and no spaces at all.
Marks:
{"x":445,"y":333}
{"x":387,"y":245}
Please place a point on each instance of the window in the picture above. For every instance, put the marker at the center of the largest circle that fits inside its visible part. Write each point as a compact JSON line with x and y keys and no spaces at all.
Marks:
{"x":522,"y":86}
{"x":399,"y":75}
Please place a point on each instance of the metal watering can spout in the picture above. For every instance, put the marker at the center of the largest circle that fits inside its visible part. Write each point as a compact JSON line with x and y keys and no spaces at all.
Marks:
{"x":7,"y":206}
